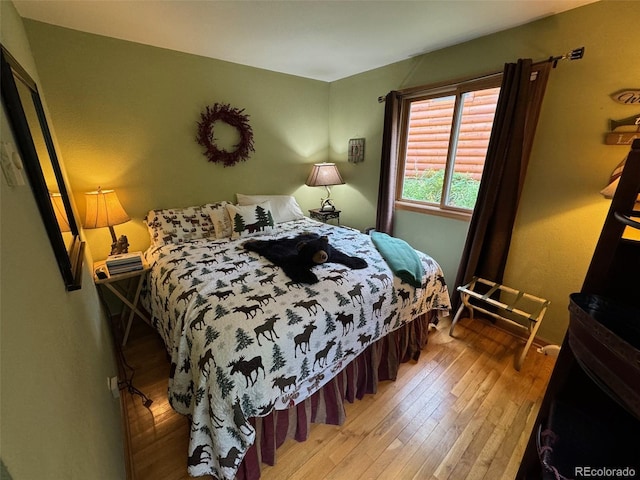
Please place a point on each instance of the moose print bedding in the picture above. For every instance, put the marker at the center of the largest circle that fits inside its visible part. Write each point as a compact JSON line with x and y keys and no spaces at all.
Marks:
{"x":245,"y":339}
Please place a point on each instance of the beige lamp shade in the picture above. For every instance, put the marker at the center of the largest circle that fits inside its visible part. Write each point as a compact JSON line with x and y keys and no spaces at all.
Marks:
{"x":60,"y":212}
{"x":614,"y":179}
{"x":324,"y":175}
{"x":103,"y":209}
{"x":610,"y":190}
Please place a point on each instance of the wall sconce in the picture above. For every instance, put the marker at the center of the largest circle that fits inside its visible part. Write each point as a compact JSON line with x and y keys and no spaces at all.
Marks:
{"x":104,"y":210}
{"x":325,"y":175}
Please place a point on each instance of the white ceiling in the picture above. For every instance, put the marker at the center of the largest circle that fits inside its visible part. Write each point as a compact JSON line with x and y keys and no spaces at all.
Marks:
{"x":323,"y":40}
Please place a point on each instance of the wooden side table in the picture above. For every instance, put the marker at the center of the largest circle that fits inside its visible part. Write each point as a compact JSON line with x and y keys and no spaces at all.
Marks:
{"x":325,"y":215}
{"x":129,"y":295}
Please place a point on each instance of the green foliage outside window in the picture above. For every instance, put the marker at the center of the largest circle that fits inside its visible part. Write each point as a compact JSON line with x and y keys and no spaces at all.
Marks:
{"x":428,"y":188}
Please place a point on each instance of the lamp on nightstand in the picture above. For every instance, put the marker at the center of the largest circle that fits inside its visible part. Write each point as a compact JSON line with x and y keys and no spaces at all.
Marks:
{"x":59,"y":211}
{"x":104,"y":210}
{"x":609,"y":191}
{"x":325,"y":175}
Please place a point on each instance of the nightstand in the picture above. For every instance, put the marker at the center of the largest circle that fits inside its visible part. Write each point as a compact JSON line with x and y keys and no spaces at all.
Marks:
{"x":127,"y":287}
{"x":325,"y":215}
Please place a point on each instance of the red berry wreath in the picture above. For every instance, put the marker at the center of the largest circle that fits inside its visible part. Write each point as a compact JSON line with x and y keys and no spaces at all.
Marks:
{"x":231,"y":116}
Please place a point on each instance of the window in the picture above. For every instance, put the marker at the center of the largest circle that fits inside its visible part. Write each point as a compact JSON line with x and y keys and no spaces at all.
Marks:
{"x":443,"y":143}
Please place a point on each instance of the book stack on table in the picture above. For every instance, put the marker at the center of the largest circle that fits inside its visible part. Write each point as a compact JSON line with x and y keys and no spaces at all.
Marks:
{"x":124,"y":262}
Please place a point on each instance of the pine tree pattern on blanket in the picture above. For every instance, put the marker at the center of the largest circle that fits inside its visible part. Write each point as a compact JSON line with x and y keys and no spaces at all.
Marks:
{"x":244,"y":339}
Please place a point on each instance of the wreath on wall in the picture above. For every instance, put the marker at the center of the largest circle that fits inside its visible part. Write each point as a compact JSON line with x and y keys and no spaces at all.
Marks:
{"x":222,"y":112}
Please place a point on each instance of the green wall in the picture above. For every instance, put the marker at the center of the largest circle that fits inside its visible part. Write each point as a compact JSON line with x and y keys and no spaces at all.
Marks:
{"x":57,"y":417}
{"x":561,"y":211}
{"x":126,"y":116}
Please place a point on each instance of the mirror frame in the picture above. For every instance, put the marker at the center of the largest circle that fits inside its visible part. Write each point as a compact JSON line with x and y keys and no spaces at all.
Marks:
{"x":69,"y":259}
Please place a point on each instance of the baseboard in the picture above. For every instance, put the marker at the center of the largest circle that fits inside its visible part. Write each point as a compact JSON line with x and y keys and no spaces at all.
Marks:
{"x":124,"y":418}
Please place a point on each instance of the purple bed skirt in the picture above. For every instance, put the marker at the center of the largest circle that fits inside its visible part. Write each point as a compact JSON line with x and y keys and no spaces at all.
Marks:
{"x":380,"y":361}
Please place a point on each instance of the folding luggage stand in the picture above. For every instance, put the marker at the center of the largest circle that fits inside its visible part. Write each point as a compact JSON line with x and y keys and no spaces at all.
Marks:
{"x":533,"y":319}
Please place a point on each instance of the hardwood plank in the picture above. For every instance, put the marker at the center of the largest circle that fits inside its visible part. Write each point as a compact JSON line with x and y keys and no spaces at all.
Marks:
{"x":460,"y":412}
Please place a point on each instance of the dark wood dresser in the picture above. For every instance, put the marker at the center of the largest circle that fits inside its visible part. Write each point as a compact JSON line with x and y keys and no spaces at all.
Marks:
{"x":588,"y":425}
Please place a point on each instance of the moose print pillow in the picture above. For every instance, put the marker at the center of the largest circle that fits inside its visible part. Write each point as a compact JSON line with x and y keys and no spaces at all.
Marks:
{"x":251,"y":220}
{"x":177,"y":225}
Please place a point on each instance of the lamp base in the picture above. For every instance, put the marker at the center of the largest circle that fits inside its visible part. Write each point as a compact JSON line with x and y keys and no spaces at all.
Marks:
{"x":326,"y":205}
{"x":120,"y":246}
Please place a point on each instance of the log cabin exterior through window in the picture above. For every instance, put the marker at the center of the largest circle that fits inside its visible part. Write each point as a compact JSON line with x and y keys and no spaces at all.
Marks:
{"x":444,"y":136}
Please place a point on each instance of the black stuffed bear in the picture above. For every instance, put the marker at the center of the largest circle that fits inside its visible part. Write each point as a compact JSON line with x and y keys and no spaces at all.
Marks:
{"x":297,"y":255}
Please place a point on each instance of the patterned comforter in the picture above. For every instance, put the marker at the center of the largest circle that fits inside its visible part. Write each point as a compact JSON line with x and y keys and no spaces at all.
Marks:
{"x":244,"y":339}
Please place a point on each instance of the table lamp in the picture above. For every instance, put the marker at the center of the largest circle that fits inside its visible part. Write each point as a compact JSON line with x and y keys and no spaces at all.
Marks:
{"x":610,"y":190}
{"x":60,"y":212}
{"x":104,"y":210}
{"x":325,"y":175}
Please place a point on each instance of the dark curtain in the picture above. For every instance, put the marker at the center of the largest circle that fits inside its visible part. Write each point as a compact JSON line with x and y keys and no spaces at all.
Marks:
{"x":487,"y":245}
{"x":388,"y":164}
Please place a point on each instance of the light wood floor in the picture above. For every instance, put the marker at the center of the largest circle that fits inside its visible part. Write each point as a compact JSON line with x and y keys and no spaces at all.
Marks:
{"x":461,"y":412}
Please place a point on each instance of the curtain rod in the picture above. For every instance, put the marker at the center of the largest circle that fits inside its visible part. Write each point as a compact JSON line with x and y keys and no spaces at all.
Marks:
{"x":575,"y":54}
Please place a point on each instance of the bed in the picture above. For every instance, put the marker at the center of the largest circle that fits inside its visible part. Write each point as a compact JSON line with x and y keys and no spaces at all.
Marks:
{"x":256,"y":357}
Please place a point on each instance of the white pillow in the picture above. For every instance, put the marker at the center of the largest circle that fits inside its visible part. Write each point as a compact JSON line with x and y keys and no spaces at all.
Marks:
{"x":221,"y":222}
{"x":250,"y":220}
{"x":284,"y":207}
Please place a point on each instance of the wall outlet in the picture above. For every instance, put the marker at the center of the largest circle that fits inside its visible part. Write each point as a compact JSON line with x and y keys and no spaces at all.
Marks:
{"x":552,"y":350}
{"x":112,"y":384}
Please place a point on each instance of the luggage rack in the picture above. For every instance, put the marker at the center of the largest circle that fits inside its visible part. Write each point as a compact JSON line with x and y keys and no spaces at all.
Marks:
{"x":514,"y":308}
